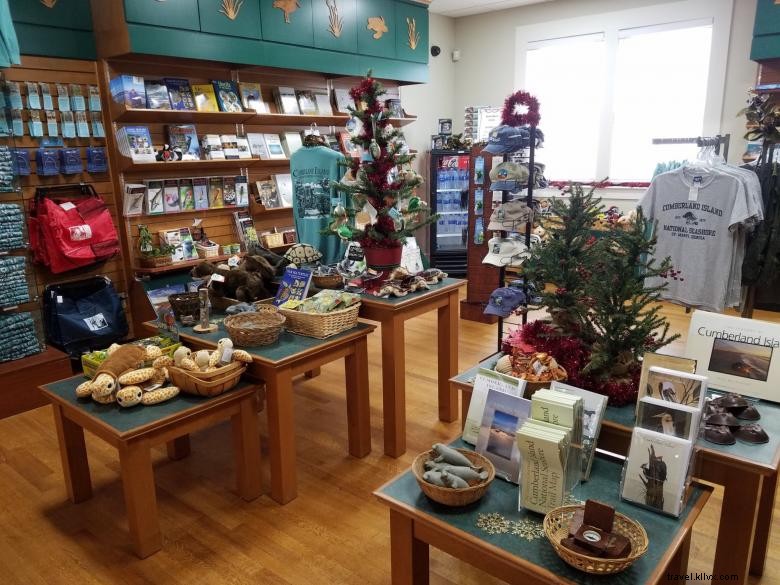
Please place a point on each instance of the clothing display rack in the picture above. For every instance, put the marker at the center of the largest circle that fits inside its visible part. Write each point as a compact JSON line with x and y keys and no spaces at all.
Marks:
{"x":702,"y":142}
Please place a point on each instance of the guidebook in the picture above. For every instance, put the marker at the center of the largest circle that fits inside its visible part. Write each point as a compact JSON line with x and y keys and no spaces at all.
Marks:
{"x":180,"y":93}
{"x":228,"y":96}
{"x":294,"y":285}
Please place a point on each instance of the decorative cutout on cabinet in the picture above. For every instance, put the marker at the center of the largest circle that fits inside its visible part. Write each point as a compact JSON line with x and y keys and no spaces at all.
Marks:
{"x":230,"y":8}
{"x":377,"y":24}
{"x":334,"y":20}
{"x":414,"y":36}
{"x":288,"y":7}
{"x":49,"y":3}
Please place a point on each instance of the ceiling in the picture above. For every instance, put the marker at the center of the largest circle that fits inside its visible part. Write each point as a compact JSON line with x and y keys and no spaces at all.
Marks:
{"x":456,"y":8}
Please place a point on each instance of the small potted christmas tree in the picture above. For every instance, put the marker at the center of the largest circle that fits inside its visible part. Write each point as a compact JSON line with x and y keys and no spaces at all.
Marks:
{"x":381,"y":185}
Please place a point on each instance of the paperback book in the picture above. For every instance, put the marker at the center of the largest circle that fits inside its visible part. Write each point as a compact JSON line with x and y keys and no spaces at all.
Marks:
{"x":292,"y":142}
{"x":186,"y":195}
{"x":212,"y":146}
{"x":257,"y":145}
{"x":284,"y":188}
{"x":242,"y":191}
{"x":215,"y":193}
{"x":181,"y":241}
{"x":125,"y":89}
{"x":242,"y":143}
{"x":154,"y":198}
{"x":307,"y":102}
{"x":180,"y":93}
{"x":245,"y":228}
{"x":267,"y":195}
{"x":294,"y":285}
{"x":252,"y":97}
{"x":205,"y":98}
{"x":200,"y":192}
{"x":157,"y":95}
{"x":185,"y":137}
{"x":485,"y":381}
{"x":286,"y":101}
{"x":543,"y":448}
{"x":134,"y":199}
{"x":136,"y":142}
{"x":229,"y":145}
{"x":322,"y":100}
{"x":274,"y":146}
{"x":171,"y":195}
{"x":342,"y":101}
{"x":228,"y":96}
{"x":503,"y":415}
{"x":229,"y":191}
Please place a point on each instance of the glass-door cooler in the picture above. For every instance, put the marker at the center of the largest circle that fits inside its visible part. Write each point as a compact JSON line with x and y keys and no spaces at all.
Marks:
{"x":449,"y":196}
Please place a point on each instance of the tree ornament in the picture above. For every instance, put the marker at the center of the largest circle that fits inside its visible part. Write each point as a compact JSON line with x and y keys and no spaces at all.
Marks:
{"x":510,"y":116}
{"x":344,"y":232}
{"x":414,"y":204}
{"x":374,"y":149}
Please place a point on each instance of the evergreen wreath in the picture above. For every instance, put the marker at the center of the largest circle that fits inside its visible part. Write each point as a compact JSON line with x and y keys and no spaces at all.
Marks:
{"x":511,"y":117}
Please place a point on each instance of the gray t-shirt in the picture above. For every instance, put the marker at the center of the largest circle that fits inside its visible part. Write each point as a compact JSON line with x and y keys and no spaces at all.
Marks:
{"x":697,"y":230}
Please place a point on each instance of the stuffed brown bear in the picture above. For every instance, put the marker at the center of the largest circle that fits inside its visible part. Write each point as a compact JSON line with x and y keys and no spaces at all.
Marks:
{"x":239,"y":284}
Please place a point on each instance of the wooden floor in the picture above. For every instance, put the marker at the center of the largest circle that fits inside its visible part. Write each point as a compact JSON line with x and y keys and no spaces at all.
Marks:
{"x":334,"y":533}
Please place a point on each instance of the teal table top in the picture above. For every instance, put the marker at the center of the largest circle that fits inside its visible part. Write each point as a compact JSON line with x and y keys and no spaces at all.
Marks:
{"x":765,"y":455}
{"x":502,"y":499}
{"x":123,"y":421}
{"x":447,"y":282}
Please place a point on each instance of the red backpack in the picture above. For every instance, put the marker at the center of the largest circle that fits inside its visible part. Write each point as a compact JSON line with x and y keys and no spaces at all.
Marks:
{"x":70,"y":227}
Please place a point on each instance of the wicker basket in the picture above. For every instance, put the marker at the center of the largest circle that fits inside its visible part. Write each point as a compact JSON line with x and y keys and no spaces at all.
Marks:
{"x":207,"y":383}
{"x":207,"y":251}
{"x":273,"y":240}
{"x":259,"y":328}
{"x":332,"y":281}
{"x":556,"y":527}
{"x":453,"y":496}
{"x":321,"y":325}
{"x":156,"y":261}
{"x":185,"y":304}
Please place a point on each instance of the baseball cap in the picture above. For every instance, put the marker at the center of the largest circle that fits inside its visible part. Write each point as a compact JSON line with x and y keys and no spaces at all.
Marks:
{"x":505,"y":139}
{"x":504,"y":300}
{"x":508,"y":216}
{"x":506,"y":252}
{"x":508,"y":176}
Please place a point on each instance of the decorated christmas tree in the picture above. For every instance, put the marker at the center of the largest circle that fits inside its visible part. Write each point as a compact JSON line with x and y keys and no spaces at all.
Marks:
{"x":381,"y":185}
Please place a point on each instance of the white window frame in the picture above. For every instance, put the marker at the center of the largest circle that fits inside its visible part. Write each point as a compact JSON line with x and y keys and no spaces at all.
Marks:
{"x":611,"y":25}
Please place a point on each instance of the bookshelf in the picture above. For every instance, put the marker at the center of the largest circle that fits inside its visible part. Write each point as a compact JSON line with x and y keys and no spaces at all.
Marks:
{"x":201,"y":167}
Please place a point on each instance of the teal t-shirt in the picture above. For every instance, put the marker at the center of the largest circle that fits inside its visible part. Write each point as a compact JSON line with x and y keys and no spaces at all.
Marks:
{"x":314,"y":170}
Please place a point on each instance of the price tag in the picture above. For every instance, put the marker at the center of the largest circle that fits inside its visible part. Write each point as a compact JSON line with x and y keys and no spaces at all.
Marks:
{"x":217,"y":278}
{"x":693,"y":192}
{"x":67,"y":206}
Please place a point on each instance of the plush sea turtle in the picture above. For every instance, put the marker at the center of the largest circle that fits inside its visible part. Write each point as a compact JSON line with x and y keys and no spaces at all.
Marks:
{"x":300,"y":254}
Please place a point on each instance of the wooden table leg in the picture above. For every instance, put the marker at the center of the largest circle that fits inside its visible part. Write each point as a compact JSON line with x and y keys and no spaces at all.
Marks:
{"x":246,"y":446}
{"x":448,"y":358}
{"x":358,"y":409}
{"x":281,"y":435}
{"x":179,"y":448}
{"x":394,"y":387}
{"x":313,"y":373}
{"x":140,"y":497}
{"x":408,"y":555}
{"x":738,"y":519}
{"x":763,"y":525}
{"x":679,"y":563}
{"x":73,"y":453}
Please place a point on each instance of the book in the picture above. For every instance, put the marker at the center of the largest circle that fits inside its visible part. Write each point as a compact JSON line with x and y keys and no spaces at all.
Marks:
{"x":186,"y":195}
{"x":205,"y":98}
{"x":503,"y":415}
{"x":200,"y":192}
{"x":125,"y":89}
{"x":485,"y":381}
{"x":179,"y":93}
{"x":332,"y":142}
{"x":229,"y":145}
{"x":97,"y":160}
{"x":136,"y":142}
{"x":668,"y":418}
{"x":181,"y":241}
{"x":228,"y":96}
{"x":274,"y":146}
{"x":675,"y":386}
{"x":212,"y":147}
{"x":347,"y":146}
{"x":134,"y":199}
{"x":292,"y":142}
{"x":242,"y":191}
{"x":154,"y":198}
{"x":593,"y":408}
{"x":656,"y":471}
{"x":284,"y":188}
{"x":185,"y":138}
{"x":242,"y":143}
{"x":322,"y":99}
{"x":342,"y":101}
{"x":171,"y":195}
{"x":671,"y":362}
{"x":157,"y":95}
{"x":294,"y":285}
{"x":543,"y":449}
{"x":286,"y":101}
{"x":229,"y":191}
{"x":394,"y":107}
{"x":215,"y":193}
{"x":267,"y":195}
{"x":252,"y":97}
{"x":245,"y":228}
{"x":307,"y":103}
{"x":257,"y":145}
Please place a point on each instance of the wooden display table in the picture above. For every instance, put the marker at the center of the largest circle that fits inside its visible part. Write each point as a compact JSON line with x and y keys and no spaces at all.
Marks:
{"x":748,"y":474}
{"x":417,"y":523}
{"x":134,"y":431}
{"x":276,"y":365}
{"x":21,"y":378}
{"x":392,"y":313}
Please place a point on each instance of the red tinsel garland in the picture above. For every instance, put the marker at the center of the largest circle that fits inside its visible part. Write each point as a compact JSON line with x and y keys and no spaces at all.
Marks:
{"x":572,"y":354}
{"x":510,"y":117}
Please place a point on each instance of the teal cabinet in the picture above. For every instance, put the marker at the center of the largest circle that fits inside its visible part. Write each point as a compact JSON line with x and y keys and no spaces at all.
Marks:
{"x":170,"y":13}
{"x":376,"y":28}
{"x":71,"y":14}
{"x":230,"y":18}
{"x":335,"y":25}
{"x":767,"y":18}
{"x":411,"y":32}
{"x":288,"y":21}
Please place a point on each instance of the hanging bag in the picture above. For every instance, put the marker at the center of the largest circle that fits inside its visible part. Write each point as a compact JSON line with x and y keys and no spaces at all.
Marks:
{"x":70,"y":227}
{"x":84,"y":315}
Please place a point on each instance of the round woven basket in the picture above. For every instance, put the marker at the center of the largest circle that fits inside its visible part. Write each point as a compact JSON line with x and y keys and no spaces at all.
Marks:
{"x":321,"y":325}
{"x":185,"y":305}
{"x":261,"y":327}
{"x":332,"y":281}
{"x":556,"y":528}
{"x":453,"y":496}
{"x":207,"y":383}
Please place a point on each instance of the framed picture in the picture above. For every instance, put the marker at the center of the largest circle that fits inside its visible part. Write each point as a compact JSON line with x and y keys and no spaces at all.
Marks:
{"x":445,"y":126}
{"x":437,"y":142}
{"x":736,"y":355}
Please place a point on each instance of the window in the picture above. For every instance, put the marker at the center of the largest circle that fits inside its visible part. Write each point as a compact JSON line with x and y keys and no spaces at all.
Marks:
{"x":609,"y":84}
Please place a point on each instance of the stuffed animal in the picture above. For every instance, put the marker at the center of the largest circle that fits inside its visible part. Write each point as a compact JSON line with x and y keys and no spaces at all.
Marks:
{"x":238,"y":284}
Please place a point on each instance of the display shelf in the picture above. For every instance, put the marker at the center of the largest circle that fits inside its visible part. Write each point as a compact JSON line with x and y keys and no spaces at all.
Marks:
{"x":182,"y":265}
{"x":187,"y":212}
{"x":187,"y":166}
{"x":123,"y":114}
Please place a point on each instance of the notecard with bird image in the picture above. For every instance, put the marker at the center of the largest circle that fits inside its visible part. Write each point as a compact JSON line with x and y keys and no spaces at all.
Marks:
{"x":675,"y":386}
{"x":650,"y":359}
{"x":668,"y":418}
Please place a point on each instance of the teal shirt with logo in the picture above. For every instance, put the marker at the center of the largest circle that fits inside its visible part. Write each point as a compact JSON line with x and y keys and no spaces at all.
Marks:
{"x":314,"y":170}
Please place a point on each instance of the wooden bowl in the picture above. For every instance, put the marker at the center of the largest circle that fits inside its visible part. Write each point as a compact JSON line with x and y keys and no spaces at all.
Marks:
{"x":454,"y":496}
{"x":556,"y":528}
